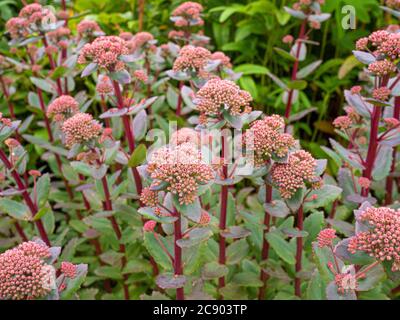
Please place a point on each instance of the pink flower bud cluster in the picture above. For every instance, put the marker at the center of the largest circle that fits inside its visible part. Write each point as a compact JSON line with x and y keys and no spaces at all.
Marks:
{"x":217,"y":95}
{"x":149,"y":197}
{"x":268,"y":139}
{"x":182,"y":168}
{"x":381,"y":93}
{"x":104,"y":85}
{"x":149,"y":226}
{"x":192,"y":58}
{"x":382,"y":68}
{"x":382,"y":240}
{"x":225,"y":60}
{"x":35,"y":14}
{"x":343,"y":122}
{"x":292,"y":176}
{"x":185,"y":135}
{"x":68,"y":269}
{"x":24,"y":273}
{"x":80,"y":128}
{"x":17,"y":27}
{"x":140,"y":40}
{"x":62,"y":108}
{"x":345,"y":282}
{"x":394,"y":4}
{"x":87,"y":28}
{"x":306,"y":5}
{"x":326,"y":237}
{"x":105,"y":51}
{"x":381,"y":42}
{"x":188,"y":13}
{"x":141,"y":75}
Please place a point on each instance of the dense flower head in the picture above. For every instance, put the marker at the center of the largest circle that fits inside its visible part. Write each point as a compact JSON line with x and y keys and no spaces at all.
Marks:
{"x":192,"y":58}
{"x":205,"y":218}
{"x":62,"y":108}
{"x":362,"y":43}
{"x":104,"y":85}
{"x":36,"y":14}
{"x":343,"y":122}
{"x":188,"y":13}
{"x":185,"y":135}
{"x":381,"y":42}
{"x":139,"y":40}
{"x":225,"y":60}
{"x":24,"y":273}
{"x":395,"y":4}
{"x":149,"y":197}
{"x":391,"y":122}
{"x":17,"y":27}
{"x":381,"y":93}
{"x":126,"y":35}
{"x":291,"y":176}
{"x":391,"y":46}
{"x":59,"y":33}
{"x":288,"y":39}
{"x":149,"y":226}
{"x":80,"y":128}
{"x":326,"y":237}
{"x":218,"y":94}
{"x":141,"y":75}
{"x":345,"y":282}
{"x":378,"y":37}
{"x":68,"y":269}
{"x":364,"y":182}
{"x":382,"y":68}
{"x":105,"y":51}
{"x":382,"y":240}
{"x":87,"y":28}
{"x":182,"y":168}
{"x":268,"y":139}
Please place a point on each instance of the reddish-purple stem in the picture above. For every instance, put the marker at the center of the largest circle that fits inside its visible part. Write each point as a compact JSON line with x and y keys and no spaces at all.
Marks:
{"x":265,"y":248}
{"x":180,"y":100}
{"x":178,"y":268}
{"x":299,"y":253}
{"x":21,"y":187}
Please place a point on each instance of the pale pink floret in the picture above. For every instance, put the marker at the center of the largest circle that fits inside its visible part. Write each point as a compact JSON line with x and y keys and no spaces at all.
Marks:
{"x":205,"y":218}
{"x":382,"y":241}
{"x":225,"y":60}
{"x":35,"y":14}
{"x":189,"y":12}
{"x":149,"y":197}
{"x":87,"y":28}
{"x":291,"y":176}
{"x":382,"y":68}
{"x":17,"y":27}
{"x":268,"y":139}
{"x":182,"y":168}
{"x":192,"y":58}
{"x":391,"y":46}
{"x":24,"y":273}
{"x":382,"y":93}
{"x":395,"y":4}
{"x":343,"y":122}
{"x":355,"y":89}
{"x":141,"y":75}
{"x":217,"y":95}
{"x":326,"y":237}
{"x":62,"y":108}
{"x":149,"y":226}
{"x":378,"y":37}
{"x":288,"y":39}
{"x":364,"y":182}
{"x":105,"y":51}
{"x":80,"y":128}
{"x":104,"y":85}
{"x":362,"y":44}
{"x":139,"y":40}
{"x":68,"y":269}
{"x":185,"y":135}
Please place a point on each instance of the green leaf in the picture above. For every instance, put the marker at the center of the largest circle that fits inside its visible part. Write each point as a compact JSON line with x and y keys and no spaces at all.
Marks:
{"x":277,"y":208}
{"x":156,"y":251}
{"x":236,"y":251}
{"x":170,"y":281}
{"x":44,"y":85}
{"x":313,"y":224}
{"x":213,"y":270}
{"x":324,"y":196}
{"x":297,"y":84}
{"x":59,"y":72}
{"x":41,"y":213}
{"x":15,"y":209}
{"x":307,"y":70}
{"x":74,"y":284}
{"x":248,"y":69}
{"x":138,"y":156}
{"x":149,"y":213}
{"x":247,"y":279}
{"x":281,"y":247}
{"x":284,"y":54}
{"x":82,"y":168}
{"x":109,"y":272}
{"x":316,"y":287}
{"x":43,"y":189}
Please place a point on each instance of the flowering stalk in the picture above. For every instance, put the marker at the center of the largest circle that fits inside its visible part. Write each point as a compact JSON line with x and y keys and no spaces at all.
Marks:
{"x":223,"y":212}
{"x":178,"y":268}
{"x":129,"y":134}
{"x":265,"y":248}
{"x":295,"y":67}
{"x":52,"y":64}
{"x":389,"y":179}
{"x":180,"y":100}
{"x":21,"y":187}
{"x":299,"y":252}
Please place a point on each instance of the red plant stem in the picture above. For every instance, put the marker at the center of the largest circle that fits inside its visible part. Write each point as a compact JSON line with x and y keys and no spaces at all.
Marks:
{"x":265,"y":248}
{"x":299,"y":252}
{"x":129,"y":134}
{"x":178,"y":268}
{"x":108,"y":207}
{"x":52,"y":65}
{"x":389,"y":179}
{"x":141,"y":14}
{"x":372,"y":147}
{"x":180,"y":100}
{"x":295,"y":68}
{"x":20,"y":231}
{"x":223,"y":212}
{"x":21,"y":187}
